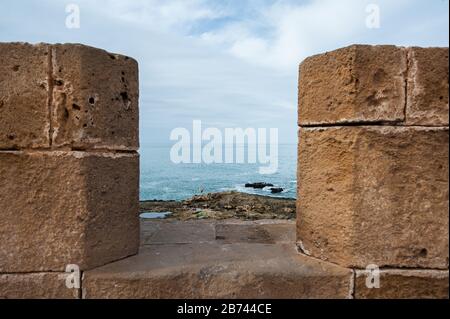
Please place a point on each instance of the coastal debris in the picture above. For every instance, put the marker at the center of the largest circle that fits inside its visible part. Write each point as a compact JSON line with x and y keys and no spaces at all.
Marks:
{"x":225,"y":205}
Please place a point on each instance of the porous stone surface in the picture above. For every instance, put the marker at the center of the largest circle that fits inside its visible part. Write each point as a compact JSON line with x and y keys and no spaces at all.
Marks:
{"x":36,"y":286}
{"x":209,"y":267}
{"x":95,"y":98}
{"x":61,"y":208}
{"x":359,"y":83}
{"x":404,"y":284}
{"x":67,"y":95}
{"x":427,"y":102}
{"x":374,"y":195}
{"x":24,"y":111}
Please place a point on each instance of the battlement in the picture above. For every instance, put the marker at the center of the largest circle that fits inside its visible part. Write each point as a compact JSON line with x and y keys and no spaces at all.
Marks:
{"x":372,"y":185}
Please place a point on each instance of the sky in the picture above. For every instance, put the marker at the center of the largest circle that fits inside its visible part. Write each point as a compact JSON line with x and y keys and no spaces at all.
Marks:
{"x":227,"y":63}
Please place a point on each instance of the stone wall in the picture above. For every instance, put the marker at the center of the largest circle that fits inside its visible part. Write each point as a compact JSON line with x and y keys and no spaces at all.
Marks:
{"x":373,"y":165}
{"x":372,"y":175}
{"x":69,"y":167}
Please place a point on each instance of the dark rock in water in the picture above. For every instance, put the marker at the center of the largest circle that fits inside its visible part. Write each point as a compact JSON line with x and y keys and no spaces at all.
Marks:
{"x":258,"y":185}
{"x":276,"y":190}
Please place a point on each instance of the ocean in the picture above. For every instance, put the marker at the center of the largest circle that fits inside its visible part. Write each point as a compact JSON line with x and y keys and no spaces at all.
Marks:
{"x":162,"y":179}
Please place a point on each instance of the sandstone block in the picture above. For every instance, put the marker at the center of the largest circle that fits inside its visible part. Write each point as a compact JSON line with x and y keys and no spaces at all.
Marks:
{"x":404,"y":284}
{"x":374,"y":195}
{"x":359,"y":83}
{"x":36,"y":286}
{"x":24,"y":111}
{"x":212,"y":270}
{"x":427,"y":102}
{"x":95,"y":98}
{"x":67,"y":95}
{"x":60,"y":208}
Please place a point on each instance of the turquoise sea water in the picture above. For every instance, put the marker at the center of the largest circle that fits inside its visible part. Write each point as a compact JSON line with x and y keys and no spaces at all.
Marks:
{"x":161,"y":179}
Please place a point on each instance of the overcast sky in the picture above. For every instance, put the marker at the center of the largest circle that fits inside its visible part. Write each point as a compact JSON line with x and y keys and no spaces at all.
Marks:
{"x":228,"y":63}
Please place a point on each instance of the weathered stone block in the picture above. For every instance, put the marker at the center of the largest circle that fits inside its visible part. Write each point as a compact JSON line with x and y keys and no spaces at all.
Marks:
{"x":24,"y":111}
{"x":95,"y":98}
{"x":374,"y":195}
{"x":427,"y":102}
{"x":67,"y":95}
{"x":60,"y":208}
{"x":359,"y":83}
{"x":212,"y":270}
{"x":36,"y":286}
{"x":404,"y":284}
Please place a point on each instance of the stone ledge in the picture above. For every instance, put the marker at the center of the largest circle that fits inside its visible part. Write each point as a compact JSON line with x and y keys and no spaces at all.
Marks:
{"x":193,"y":260}
{"x":223,"y":231}
{"x":218,"y":271}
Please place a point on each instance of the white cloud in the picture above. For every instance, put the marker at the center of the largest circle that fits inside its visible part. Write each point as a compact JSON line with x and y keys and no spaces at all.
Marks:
{"x":158,"y":15}
{"x":275,"y":34}
{"x":296,"y":30}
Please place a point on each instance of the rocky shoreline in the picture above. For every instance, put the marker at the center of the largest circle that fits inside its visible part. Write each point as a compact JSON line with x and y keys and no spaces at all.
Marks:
{"x":224,"y":205}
